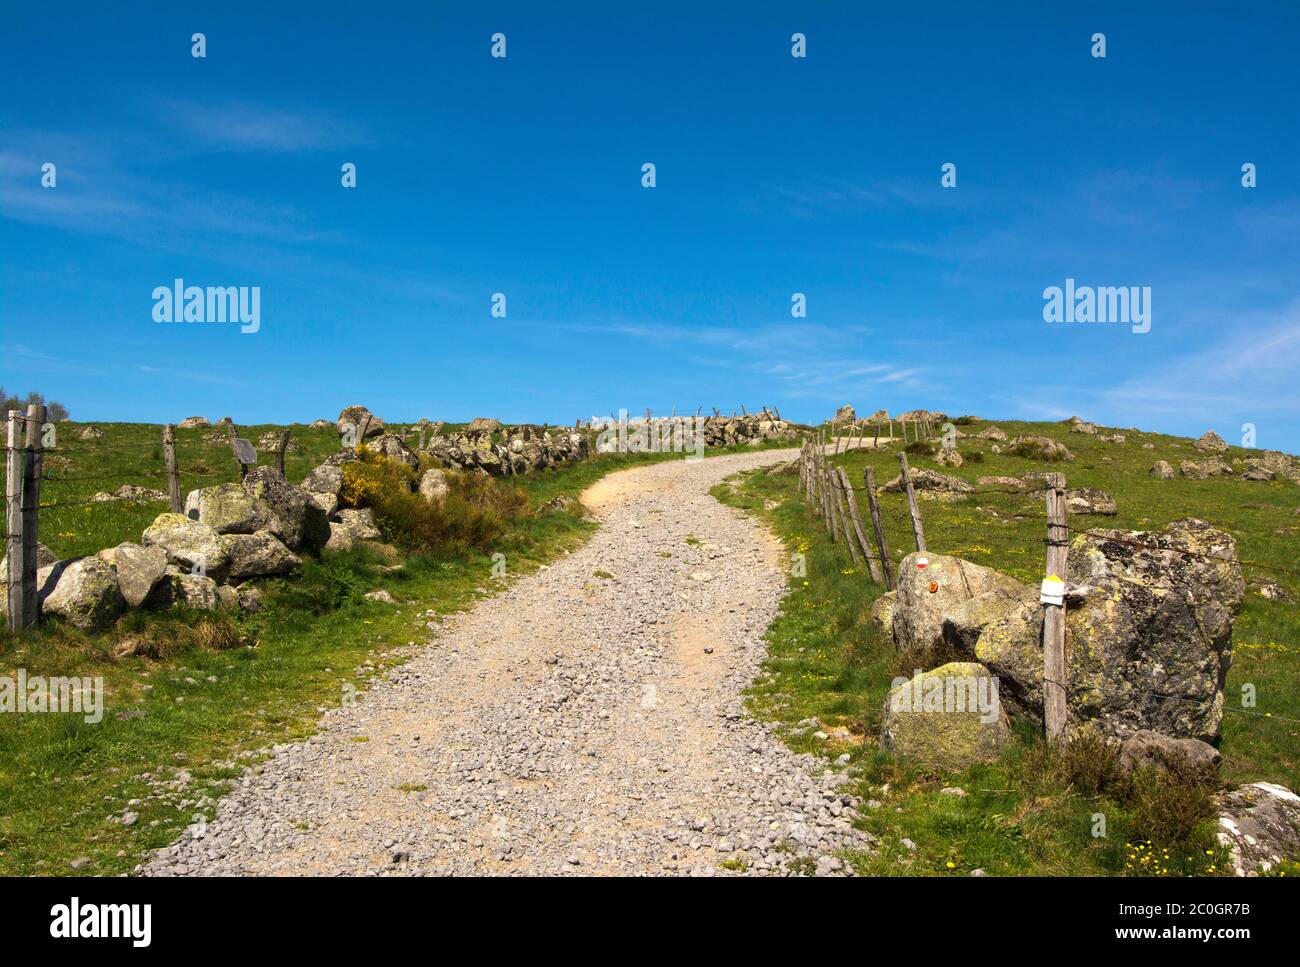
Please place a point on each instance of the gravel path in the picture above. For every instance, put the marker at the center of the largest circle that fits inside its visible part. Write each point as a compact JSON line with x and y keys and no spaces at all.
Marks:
{"x":573,"y":724}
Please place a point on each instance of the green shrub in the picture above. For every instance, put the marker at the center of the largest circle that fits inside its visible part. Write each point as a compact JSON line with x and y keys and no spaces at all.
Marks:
{"x":1173,"y":808}
{"x":924,"y":448}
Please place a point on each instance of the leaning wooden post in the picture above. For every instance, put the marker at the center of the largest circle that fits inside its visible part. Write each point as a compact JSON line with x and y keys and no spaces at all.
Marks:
{"x":1053,"y":598}
{"x":284,"y":445}
{"x":911,"y":502}
{"x":823,"y":478}
{"x":842,"y":518}
{"x":832,"y":504}
{"x":14,"y":519}
{"x":32,"y":510}
{"x":173,"y":474}
{"x":869,"y":478}
{"x":867,"y":552}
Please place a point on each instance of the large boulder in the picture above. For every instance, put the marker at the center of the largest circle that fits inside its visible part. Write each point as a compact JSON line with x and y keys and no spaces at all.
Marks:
{"x":140,"y":570}
{"x":194,"y":423}
{"x":1162,"y":470}
{"x":295,"y":519}
{"x":924,"y":480}
{"x":949,"y":457}
{"x":845,"y":414}
{"x":190,"y":545}
{"x":257,"y":555}
{"x":965,"y":622}
{"x":1260,"y":826}
{"x":83,"y":593}
{"x":1148,"y":632}
{"x":353,"y":418}
{"x":1211,"y":442}
{"x":930,"y":586}
{"x":228,"y":509}
{"x":483,"y":424}
{"x":949,"y":718}
{"x":194,"y":591}
{"x":352,"y":527}
{"x":1089,"y":500}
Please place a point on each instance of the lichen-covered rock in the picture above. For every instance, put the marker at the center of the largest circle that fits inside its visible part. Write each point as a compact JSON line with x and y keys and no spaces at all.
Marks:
{"x":82,"y":592}
{"x":928,"y":480}
{"x":1211,"y":442}
{"x":351,"y":527}
{"x":328,"y":503}
{"x":949,"y":457}
{"x":1205,"y":469}
{"x":845,"y":414}
{"x":194,"y":591}
{"x":949,"y":718}
{"x":1149,"y":642}
{"x":190,"y":545}
{"x":91,"y":433}
{"x":433,"y":486}
{"x":228,"y":509}
{"x":1145,"y":749}
{"x":193,"y":423}
{"x":1039,"y":448}
{"x":1162,"y":470}
{"x":353,"y":418}
{"x":994,"y":433}
{"x":297,"y":521}
{"x":257,"y":555}
{"x":139,"y":569}
{"x":1089,"y":500}
{"x":250,"y":599}
{"x":1272,"y":591}
{"x":882,"y":613}
{"x":930,"y":586}
{"x":483,"y":424}
{"x":964,"y":622}
{"x":1005,"y":484}
{"x":1260,"y":825}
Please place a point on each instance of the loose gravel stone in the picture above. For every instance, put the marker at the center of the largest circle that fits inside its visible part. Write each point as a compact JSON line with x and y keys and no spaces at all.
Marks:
{"x":566,"y":726}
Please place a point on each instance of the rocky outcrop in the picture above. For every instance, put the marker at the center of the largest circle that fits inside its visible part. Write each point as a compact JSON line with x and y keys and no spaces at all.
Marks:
{"x":928,"y":480}
{"x":189,"y":545}
{"x":949,"y":718}
{"x":1148,"y":632}
{"x":1211,"y":442}
{"x":91,"y":433}
{"x":1205,"y":469}
{"x":433,"y":486}
{"x":1039,"y":448}
{"x":483,"y":424}
{"x":140,"y":570}
{"x":228,"y":509}
{"x":295,"y":519}
{"x":992,"y":433}
{"x":1260,"y":826}
{"x":328,"y":477}
{"x":352,"y":527}
{"x":193,"y":423}
{"x":949,"y":457}
{"x":1162,"y":470}
{"x":845,"y":414}
{"x":391,"y":446}
{"x":82,"y":592}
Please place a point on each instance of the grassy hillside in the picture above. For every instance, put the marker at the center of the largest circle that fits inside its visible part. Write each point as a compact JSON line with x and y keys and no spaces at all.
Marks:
{"x":1027,"y":813}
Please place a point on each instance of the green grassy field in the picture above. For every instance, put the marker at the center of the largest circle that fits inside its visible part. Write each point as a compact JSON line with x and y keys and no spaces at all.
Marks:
{"x":1025,"y":814}
{"x":217,"y":685}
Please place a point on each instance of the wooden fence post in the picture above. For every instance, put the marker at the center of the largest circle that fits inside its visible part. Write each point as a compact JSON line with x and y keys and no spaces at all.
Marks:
{"x":832,"y":503}
{"x":284,"y":443}
{"x":841,"y":517}
{"x":32,"y":510}
{"x":867,"y":552}
{"x":911,"y":502}
{"x":173,"y":474}
{"x":14,"y":520}
{"x":869,"y":478}
{"x":1054,"y":670}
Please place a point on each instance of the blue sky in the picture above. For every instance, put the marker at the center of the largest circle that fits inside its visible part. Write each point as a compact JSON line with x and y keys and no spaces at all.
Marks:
{"x":775,"y":175}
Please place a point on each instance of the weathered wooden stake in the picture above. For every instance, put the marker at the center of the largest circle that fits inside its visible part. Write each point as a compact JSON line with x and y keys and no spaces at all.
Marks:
{"x":882,"y":545}
{"x":911,"y":502}
{"x":32,"y":510}
{"x":14,"y":519}
{"x":173,"y":474}
{"x":842,"y":518}
{"x":858,"y":531}
{"x":284,"y":445}
{"x":1054,"y":670}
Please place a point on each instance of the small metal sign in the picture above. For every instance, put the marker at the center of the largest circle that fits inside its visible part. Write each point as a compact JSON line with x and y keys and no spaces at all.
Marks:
{"x":244,"y":452}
